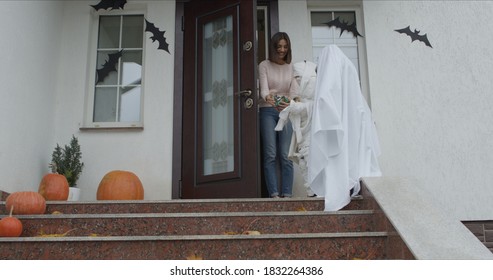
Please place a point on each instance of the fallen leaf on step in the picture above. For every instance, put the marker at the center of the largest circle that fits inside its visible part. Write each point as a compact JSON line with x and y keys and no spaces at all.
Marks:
{"x":56,"y":213}
{"x":194,"y":256}
{"x":251,"y":232}
{"x":42,"y":234}
{"x":302,"y":209}
{"x":98,"y":235}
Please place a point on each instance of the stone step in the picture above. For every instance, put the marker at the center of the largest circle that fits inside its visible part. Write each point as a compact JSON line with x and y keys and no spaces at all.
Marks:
{"x":295,"y":228}
{"x":216,"y":223}
{"x":194,"y":206}
{"x":328,"y":246}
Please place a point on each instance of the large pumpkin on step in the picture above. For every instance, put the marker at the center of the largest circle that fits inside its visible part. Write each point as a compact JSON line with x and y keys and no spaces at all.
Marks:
{"x":120,"y":185}
{"x":26,"y":203}
{"x":54,"y":187}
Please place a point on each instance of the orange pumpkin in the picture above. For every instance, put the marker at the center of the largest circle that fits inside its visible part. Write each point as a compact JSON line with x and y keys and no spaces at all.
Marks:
{"x":10,"y":226}
{"x":54,"y":187}
{"x":120,"y":185}
{"x":26,"y":203}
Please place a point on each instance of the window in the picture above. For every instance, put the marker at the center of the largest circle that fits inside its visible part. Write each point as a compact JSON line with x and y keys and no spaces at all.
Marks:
{"x":262,"y":33}
{"x":117,"y":88}
{"x":353,"y":47}
{"x":322,"y":35}
{"x":263,"y":37}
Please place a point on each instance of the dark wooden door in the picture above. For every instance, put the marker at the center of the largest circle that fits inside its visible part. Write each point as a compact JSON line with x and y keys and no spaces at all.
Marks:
{"x":220,"y":157}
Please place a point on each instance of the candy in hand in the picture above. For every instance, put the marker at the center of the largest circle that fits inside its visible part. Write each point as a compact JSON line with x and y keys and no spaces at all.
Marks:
{"x":280,"y":98}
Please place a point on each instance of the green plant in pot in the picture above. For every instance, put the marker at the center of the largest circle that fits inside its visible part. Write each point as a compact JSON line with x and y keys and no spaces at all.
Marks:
{"x":67,"y":161}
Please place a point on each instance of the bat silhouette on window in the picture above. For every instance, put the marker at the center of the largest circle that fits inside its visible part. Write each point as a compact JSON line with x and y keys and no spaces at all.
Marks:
{"x":109,"y":66}
{"x":110,"y":4}
{"x":344,"y":26}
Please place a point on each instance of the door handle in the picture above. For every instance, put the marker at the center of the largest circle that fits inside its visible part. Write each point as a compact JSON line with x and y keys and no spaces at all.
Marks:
{"x":247,"y":46}
{"x":245,"y":93}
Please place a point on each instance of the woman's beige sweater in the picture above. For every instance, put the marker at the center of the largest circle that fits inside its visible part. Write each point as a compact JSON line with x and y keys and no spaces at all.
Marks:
{"x":276,"y":79}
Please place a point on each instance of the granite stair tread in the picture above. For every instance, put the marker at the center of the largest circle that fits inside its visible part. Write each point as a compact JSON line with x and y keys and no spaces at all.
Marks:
{"x":199,"y":214}
{"x":369,"y":245}
{"x":194,"y":205}
{"x":198,"y":237}
{"x":200,"y":223}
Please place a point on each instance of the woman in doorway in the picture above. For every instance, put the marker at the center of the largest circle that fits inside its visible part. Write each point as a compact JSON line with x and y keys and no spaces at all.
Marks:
{"x":277,"y":88}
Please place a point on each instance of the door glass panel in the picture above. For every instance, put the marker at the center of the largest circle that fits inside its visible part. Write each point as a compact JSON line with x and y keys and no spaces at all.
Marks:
{"x":217,"y":96}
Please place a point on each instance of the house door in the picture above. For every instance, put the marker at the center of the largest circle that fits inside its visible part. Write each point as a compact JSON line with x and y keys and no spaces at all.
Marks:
{"x":220,"y":155}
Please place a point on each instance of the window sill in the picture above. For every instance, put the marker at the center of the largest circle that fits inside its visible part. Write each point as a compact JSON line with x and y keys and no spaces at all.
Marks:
{"x":123,"y":127}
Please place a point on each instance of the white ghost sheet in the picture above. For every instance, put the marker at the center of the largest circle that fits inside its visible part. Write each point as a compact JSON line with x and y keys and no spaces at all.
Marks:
{"x":344,"y":143}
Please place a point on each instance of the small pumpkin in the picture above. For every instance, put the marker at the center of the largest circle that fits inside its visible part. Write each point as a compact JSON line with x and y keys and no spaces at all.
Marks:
{"x":10,"y":226}
{"x":54,"y":186}
{"x":26,"y":203}
{"x":120,"y":185}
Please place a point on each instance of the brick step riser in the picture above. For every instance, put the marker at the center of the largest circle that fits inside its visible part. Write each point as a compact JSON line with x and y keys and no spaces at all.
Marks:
{"x":191,"y":206}
{"x":210,"y":225}
{"x":230,"y":249}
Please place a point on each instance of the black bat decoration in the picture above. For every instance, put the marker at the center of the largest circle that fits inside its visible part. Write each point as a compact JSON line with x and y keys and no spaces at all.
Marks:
{"x":157,"y":35}
{"x":344,"y":26}
{"x":109,"y":66}
{"x":110,"y":4}
{"x":415,"y":35}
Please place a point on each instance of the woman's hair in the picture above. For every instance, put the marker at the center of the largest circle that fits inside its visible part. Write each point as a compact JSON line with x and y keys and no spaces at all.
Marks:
{"x":274,"y":41}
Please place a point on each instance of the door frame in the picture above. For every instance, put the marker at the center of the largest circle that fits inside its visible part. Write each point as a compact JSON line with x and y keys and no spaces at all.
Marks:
{"x":178,"y":86}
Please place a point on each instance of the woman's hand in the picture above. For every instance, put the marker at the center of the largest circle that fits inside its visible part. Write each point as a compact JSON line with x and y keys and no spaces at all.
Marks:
{"x":270,"y":99}
{"x":282,"y":105}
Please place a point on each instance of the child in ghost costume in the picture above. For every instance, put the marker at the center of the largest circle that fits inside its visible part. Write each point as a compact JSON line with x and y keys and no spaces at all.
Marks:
{"x":299,"y":113}
{"x":344,"y":143}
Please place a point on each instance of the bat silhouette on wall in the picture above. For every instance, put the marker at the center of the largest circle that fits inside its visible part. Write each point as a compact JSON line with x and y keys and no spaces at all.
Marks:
{"x":109,"y":66}
{"x":157,"y":35}
{"x":415,"y":35}
{"x":110,"y":4}
{"x":344,"y":26}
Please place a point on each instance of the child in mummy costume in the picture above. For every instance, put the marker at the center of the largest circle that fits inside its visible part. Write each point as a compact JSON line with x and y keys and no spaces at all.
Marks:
{"x":299,"y":113}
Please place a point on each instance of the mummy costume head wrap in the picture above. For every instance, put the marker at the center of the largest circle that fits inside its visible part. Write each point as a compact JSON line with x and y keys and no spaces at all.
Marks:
{"x":305,"y":73}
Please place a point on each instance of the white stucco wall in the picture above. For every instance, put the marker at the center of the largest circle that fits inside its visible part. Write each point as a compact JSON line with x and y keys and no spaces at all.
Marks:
{"x":145,"y":152}
{"x":432,"y":105}
{"x":293,"y":19}
{"x":29,"y":46}
{"x":43,"y":98}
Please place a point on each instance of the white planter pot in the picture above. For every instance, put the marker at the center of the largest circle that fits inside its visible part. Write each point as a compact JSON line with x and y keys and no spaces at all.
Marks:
{"x":73,"y":194}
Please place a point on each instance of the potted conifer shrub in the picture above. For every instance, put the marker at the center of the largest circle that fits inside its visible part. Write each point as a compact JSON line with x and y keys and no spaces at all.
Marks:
{"x":67,"y":161}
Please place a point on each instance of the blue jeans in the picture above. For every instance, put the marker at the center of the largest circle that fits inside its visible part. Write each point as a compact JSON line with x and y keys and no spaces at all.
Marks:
{"x":275,"y":146}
